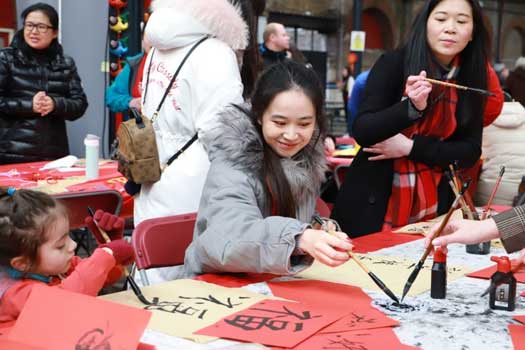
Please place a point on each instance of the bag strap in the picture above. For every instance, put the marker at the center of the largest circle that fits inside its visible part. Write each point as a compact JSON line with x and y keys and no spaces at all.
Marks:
{"x":174,"y":76}
{"x":185,"y":147}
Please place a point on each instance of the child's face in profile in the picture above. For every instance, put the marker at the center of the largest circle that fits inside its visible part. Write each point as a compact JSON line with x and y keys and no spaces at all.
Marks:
{"x":54,"y":256}
{"x":289,"y":122}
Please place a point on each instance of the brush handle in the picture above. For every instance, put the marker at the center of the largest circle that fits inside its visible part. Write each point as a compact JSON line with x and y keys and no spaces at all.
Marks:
{"x":461,"y":87}
{"x":493,"y":193}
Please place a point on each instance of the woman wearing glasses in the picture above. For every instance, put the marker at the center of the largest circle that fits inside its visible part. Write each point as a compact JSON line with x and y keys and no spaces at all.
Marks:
{"x":409,"y":130}
{"x":39,"y":90}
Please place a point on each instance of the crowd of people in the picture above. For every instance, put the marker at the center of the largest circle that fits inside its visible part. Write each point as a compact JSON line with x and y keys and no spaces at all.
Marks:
{"x":255,"y":172}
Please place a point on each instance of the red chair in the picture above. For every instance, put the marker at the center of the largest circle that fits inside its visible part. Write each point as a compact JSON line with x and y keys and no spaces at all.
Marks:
{"x":162,"y":242}
{"x":77,"y":204}
{"x":322,"y":208}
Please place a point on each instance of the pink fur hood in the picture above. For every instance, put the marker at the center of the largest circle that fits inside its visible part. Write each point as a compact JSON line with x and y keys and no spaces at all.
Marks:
{"x":177,"y":23}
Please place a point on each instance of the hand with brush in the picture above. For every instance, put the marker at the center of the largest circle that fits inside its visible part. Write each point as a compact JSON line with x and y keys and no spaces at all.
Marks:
{"x":328,"y":248}
{"x":103,"y":223}
{"x":111,"y":224}
{"x":509,"y":226}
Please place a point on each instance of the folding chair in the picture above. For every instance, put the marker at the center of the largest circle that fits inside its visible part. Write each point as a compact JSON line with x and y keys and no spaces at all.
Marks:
{"x":162,"y":242}
{"x":77,"y":204}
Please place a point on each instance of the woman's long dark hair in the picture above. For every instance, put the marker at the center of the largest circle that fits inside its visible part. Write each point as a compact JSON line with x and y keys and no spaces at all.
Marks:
{"x":473,"y":59}
{"x":276,"y":79}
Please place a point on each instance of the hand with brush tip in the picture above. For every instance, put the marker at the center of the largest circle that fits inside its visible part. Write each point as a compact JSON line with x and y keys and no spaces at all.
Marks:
{"x":463,"y":231}
{"x":121,"y":250}
{"x":111,"y":224}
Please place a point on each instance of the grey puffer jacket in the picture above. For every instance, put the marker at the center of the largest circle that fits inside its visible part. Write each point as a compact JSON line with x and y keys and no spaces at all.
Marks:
{"x":234,"y":231}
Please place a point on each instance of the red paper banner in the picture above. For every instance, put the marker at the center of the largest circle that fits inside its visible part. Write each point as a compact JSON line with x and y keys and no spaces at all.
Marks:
{"x":517,"y":333}
{"x":62,"y":320}
{"x":274,"y":323}
{"x":361,"y":315}
{"x":373,"y":339}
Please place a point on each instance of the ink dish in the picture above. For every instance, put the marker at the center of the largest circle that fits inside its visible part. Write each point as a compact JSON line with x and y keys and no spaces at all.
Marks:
{"x":398,"y":307}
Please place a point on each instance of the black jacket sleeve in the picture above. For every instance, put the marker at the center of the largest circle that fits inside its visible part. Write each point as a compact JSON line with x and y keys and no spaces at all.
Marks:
{"x":72,"y":105}
{"x":21,"y":105}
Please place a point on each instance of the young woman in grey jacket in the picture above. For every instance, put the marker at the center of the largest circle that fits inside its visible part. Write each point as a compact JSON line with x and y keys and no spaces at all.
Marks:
{"x":267,"y":164}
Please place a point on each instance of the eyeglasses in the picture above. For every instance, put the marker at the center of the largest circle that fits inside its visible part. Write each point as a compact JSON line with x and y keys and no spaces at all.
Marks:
{"x":40,"y":27}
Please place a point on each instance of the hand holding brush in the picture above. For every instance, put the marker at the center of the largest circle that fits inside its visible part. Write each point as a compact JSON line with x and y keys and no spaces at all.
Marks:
{"x":374,"y":278}
{"x":436,"y":234}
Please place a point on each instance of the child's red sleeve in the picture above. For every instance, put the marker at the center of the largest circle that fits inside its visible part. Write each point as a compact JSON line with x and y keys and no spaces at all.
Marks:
{"x":89,"y":275}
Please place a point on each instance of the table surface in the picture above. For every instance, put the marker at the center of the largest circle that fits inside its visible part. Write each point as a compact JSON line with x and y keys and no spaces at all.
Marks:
{"x":461,"y":321}
{"x":54,"y":181}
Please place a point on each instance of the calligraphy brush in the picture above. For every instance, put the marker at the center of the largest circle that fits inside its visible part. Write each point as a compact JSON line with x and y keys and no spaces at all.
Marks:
{"x":464,"y":207}
{"x":461,"y":87}
{"x":373,"y":276}
{"x":493,"y":193}
{"x":499,"y":279}
{"x":134,"y":286}
{"x":419,"y":265}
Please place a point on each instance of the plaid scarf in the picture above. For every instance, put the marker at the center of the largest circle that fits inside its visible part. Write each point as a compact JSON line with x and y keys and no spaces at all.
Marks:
{"x":414,"y":194}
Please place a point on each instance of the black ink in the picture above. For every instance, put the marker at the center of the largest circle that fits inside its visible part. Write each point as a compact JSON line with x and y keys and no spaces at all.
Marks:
{"x":249,"y":322}
{"x":344,"y":344}
{"x":252,"y":323}
{"x":214,"y":300}
{"x":358,"y":319}
{"x":94,"y":340}
{"x":176,"y":307}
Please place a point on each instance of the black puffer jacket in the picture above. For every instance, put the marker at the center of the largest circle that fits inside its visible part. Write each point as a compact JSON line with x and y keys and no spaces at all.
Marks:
{"x":26,"y":136}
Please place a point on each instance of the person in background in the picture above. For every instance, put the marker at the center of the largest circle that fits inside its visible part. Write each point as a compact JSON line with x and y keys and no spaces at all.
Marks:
{"x":346,"y":85}
{"x":355,"y":98}
{"x":267,"y":165}
{"x":35,"y":249}
{"x":39,"y":90}
{"x":411,"y":130}
{"x":207,"y":83}
{"x":276,"y":44}
{"x":509,"y":226}
{"x":502,"y":72}
{"x":124,"y":92}
{"x":516,"y":81}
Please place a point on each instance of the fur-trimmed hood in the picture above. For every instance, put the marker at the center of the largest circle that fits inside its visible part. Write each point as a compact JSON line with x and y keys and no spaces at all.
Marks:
{"x":177,"y":23}
{"x":236,"y":141}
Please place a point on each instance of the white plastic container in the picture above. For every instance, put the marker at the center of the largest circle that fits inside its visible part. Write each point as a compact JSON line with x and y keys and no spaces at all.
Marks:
{"x":92,"y":146}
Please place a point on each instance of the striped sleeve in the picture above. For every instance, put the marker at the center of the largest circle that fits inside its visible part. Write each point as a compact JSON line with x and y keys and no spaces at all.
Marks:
{"x":511,"y":226}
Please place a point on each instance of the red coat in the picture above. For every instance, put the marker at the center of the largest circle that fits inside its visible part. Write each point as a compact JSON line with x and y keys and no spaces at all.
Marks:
{"x":86,"y":276}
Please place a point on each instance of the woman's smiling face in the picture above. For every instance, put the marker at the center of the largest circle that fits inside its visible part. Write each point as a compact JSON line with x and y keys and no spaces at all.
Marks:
{"x":289,"y":122}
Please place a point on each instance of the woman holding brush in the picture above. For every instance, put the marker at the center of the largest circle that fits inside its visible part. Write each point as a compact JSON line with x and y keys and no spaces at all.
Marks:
{"x":411,"y":129}
{"x":509,"y":226}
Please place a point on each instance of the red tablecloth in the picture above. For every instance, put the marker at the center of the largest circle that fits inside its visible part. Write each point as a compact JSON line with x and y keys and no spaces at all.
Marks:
{"x":29,"y":175}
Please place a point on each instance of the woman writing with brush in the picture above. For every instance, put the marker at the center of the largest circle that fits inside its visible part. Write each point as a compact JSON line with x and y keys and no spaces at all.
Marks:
{"x":410,"y":130}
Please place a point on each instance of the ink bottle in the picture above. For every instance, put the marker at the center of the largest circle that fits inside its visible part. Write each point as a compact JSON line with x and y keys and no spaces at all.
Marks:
{"x":438,"y":281}
{"x":483,"y":247}
{"x":503,"y":286}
